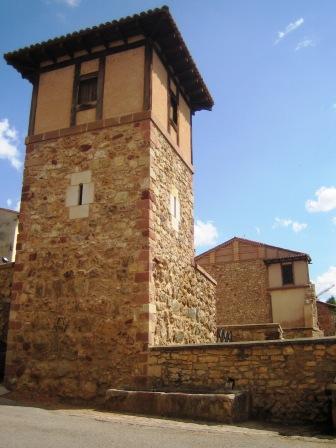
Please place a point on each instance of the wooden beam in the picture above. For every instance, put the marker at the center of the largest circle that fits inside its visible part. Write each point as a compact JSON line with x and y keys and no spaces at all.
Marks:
{"x":67,"y":49}
{"x":85,"y":44}
{"x":121,"y":34}
{"x":74,"y":95}
{"x":147,"y":98}
{"x":88,"y":57}
{"x":104,"y":39}
{"x":33,"y":105}
{"x":100,"y":88}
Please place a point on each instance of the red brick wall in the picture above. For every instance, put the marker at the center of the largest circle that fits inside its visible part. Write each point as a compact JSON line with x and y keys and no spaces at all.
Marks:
{"x":326,"y":318}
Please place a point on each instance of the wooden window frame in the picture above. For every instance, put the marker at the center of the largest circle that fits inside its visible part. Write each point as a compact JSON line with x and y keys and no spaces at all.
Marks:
{"x":98,"y":103}
{"x":89,"y":104}
{"x":282,"y":273}
{"x":171,"y":93}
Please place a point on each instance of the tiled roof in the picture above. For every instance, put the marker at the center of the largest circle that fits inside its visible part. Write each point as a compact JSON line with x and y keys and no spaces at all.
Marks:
{"x":294,"y":254}
{"x":9,"y":210}
{"x":156,"y":25}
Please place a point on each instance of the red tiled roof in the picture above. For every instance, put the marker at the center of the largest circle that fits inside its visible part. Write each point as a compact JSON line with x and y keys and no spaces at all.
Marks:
{"x":294,"y":254}
{"x":157,"y":25}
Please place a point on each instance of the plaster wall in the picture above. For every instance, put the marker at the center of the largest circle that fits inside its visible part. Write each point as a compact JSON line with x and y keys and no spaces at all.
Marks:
{"x":160,"y":109}
{"x":288,"y":307}
{"x":54,"y":100}
{"x":300,"y":271}
{"x":124,"y":83}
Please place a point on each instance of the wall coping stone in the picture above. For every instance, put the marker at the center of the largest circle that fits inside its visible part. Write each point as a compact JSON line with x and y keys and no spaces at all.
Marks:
{"x":7,"y":265}
{"x":328,"y":340}
{"x":251,"y":326}
{"x":205,"y":273}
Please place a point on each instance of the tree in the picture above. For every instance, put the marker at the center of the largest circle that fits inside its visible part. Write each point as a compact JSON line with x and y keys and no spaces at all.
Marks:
{"x":331,"y":300}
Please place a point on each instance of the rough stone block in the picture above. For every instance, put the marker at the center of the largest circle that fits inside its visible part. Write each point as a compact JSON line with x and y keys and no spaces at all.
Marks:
{"x":224,"y":408}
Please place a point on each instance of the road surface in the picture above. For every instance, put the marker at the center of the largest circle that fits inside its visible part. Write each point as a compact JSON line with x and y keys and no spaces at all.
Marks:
{"x":24,"y":426}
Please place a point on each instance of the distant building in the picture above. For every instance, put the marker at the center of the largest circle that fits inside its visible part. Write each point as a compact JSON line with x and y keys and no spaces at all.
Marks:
{"x":326,"y":314}
{"x":9,"y":220}
{"x":261,"y":284}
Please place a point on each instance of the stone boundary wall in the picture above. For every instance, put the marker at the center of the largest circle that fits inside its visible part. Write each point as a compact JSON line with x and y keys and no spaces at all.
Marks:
{"x":286,"y":379}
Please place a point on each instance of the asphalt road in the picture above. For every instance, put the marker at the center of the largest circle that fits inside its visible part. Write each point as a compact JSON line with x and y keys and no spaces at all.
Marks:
{"x":34,"y":427}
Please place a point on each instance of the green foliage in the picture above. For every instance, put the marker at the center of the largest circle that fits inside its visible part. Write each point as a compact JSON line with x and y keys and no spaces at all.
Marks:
{"x":331,"y":300}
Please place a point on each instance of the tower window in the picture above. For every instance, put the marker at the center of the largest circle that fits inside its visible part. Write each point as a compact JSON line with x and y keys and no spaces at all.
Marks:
{"x":175,"y":206}
{"x":287,"y":274}
{"x":175,"y":209}
{"x":173,"y":113}
{"x":87,"y":91}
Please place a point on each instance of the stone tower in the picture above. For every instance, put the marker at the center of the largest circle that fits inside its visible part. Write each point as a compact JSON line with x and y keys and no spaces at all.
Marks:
{"x":105,"y":252}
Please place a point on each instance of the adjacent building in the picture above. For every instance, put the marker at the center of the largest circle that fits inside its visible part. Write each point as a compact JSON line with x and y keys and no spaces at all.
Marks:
{"x":9,"y":222}
{"x":326,"y":314}
{"x":261,"y":284}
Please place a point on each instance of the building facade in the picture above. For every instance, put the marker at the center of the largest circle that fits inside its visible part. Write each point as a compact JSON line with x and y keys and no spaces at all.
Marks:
{"x":262,"y":284}
{"x":9,"y":223}
{"x":104,"y":262}
{"x":326,"y":315}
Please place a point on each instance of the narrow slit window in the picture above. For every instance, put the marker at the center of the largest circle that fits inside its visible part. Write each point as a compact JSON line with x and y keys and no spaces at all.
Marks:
{"x":87,"y":91}
{"x":287,"y":274}
{"x":175,"y":207}
{"x":80,"y":194}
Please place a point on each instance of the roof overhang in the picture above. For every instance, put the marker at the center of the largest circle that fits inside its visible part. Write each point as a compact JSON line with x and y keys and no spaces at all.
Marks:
{"x":157,"y":26}
{"x":303,"y":257}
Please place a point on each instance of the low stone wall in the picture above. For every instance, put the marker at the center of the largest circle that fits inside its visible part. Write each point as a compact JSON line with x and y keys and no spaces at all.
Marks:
{"x":6,"y":279}
{"x":250,"y":332}
{"x":286,"y":379}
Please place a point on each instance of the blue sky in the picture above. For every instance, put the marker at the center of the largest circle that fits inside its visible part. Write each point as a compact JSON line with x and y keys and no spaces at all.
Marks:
{"x":265,"y":157}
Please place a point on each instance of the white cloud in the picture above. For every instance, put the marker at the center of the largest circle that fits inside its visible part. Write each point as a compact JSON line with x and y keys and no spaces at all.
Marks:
{"x":305,"y":43}
{"x":257,"y":229}
{"x":325,"y":280}
{"x":333,"y":220}
{"x":289,"y":28}
{"x":71,"y":3}
{"x":9,"y":144}
{"x":294,"y":225}
{"x":298,"y":226}
{"x":326,"y":200}
{"x":9,"y":202}
{"x":206,"y":233}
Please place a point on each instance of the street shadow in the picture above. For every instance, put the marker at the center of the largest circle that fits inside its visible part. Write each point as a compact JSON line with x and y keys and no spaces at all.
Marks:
{"x":318,"y":431}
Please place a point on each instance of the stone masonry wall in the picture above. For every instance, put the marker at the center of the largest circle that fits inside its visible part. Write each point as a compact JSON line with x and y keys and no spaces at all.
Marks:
{"x":287,"y":379}
{"x":241,"y":294}
{"x":79,"y":315}
{"x":183,"y":298}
